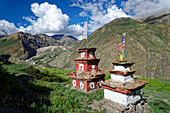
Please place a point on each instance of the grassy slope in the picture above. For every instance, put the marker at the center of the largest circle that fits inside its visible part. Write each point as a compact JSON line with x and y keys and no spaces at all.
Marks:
{"x":16,"y":69}
{"x":57,"y":96}
{"x":11,"y":46}
{"x":52,"y":96}
{"x":157,"y":93}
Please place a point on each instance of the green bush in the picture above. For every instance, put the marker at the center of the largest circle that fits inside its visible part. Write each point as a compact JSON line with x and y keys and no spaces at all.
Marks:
{"x":108,"y":76}
{"x":44,"y":75}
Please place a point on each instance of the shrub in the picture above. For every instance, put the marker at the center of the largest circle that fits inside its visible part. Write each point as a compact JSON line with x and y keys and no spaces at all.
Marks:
{"x":108,"y":76}
{"x":45,"y":75}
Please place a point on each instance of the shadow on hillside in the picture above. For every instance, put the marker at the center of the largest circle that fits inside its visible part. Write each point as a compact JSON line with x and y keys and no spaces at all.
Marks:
{"x":6,"y":57}
{"x":31,"y":51}
{"x":20,"y":94}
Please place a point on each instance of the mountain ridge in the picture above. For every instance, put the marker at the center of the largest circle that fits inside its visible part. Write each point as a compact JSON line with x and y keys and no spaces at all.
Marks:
{"x":21,"y":46}
{"x":163,"y":18}
{"x":65,"y":40}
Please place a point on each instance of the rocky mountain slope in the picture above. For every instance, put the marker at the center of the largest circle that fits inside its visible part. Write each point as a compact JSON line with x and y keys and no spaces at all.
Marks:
{"x":148,"y":45}
{"x":45,"y":55}
{"x":164,"y":18}
{"x":20,"y":46}
{"x":65,"y":40}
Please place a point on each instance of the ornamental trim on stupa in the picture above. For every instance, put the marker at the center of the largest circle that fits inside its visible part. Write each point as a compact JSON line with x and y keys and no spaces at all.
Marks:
{"x":87,"y":76}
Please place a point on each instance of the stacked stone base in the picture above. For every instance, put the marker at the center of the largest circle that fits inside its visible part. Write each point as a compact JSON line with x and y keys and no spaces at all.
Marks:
{"x":109,"y":106}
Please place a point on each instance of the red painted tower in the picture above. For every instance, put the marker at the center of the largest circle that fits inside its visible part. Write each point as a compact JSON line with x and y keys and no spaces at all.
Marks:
{"x":87,"y":75}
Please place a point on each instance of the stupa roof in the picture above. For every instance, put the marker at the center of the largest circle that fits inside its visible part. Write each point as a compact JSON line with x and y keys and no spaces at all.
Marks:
{"x":86,"y":75}
{"x":123,"y":73}
{"x":123,"y":63}
{"x":126,"y":87}
{"x":82,"y":58}
{"x":86,"y":49}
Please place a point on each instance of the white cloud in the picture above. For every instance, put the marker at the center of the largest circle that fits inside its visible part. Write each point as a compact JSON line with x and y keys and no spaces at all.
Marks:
{"x":100,"y":12}
{"x":75,"y":30}
{"x":7,"y":28}
{"x":50,"y":20}
{"x":31,"y":19}
{"x":145,"y":8}
{"x":99,"y":19}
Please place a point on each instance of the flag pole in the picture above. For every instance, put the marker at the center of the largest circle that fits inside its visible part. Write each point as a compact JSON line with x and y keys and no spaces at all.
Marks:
{"x":87,"y":31}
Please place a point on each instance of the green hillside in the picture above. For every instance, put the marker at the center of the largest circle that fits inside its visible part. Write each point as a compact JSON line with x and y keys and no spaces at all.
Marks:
{"x":11,"y":47}
{"x":28,"y":89}
{"x":148,"y":45}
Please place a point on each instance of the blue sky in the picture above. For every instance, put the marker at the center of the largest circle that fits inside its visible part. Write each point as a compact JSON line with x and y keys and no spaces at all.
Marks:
{"x":15,"y":10}
{"x":67,"y":16}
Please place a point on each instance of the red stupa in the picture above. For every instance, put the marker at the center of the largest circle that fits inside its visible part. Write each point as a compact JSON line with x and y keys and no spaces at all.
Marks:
{"x":87,"y":75}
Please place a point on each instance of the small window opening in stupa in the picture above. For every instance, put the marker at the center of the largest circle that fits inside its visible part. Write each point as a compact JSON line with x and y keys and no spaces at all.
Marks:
{"x":91,"y":54}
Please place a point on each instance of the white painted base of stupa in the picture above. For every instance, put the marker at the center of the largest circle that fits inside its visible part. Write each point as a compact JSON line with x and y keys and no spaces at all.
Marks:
{"x":124,"y":99}
{"x":121,"y":78}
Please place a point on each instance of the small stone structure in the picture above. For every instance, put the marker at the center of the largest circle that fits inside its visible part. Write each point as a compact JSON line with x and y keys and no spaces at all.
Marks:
{"x":108,"y":106}
{"x":122,"y":88}
{"x":87,"y":75}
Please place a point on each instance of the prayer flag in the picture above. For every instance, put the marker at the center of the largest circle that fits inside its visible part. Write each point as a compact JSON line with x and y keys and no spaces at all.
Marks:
{"x":123,"y":52}
{"x":120,"y":47}
{"x":121,"y":58}
{"x":123,"y":39}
